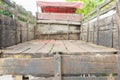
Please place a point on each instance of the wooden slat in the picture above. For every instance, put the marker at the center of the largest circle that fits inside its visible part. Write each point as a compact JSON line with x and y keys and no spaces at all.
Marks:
{"x":59,"y":16}
{"x":102,"y":48}
{"x":78,"y":78}
{"x":93,"y":48}
{"x":108,"y":9}
{"x":105,"y":3}
{"x":100,"y":7}
{"x":57,"y":22}
{"x":17,"y":48}
{"x":59,"y":47}
{"x":36,"y":45}
{"x":26,"y":47}
{"x":47,"y":48}
{"x":89,"y":78}
{"x":72,"y":48}
{"x":85,"y":47}
{"x":27,"y":66}
{"x":64,"y":46}
{"x":89,"y":64}
{"x":71,"y":65}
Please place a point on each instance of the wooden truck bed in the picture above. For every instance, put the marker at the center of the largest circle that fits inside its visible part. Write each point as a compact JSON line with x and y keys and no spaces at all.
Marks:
{"x":78,"y":58}
{"x":48,"y":47}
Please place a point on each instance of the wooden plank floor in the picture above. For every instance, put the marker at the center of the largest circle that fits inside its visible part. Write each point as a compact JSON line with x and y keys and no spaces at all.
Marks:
{"x":51,"y":46}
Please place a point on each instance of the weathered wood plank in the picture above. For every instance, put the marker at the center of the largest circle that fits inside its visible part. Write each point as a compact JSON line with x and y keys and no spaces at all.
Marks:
{"x":64,"y":46}
{"x":59,"y":16}
{"x":36,"y":45}
{"x":85,"y":47}
{"x":100,"y":7}
{"x":27,"y":66}
{"x":77,"y":78}
{"x":16,"y":49}
{"x":26,"y":47}
{"x":93,"y":48}
{"x":71,"y":65}
{"x":72,"y":48}
{"x":89,"y":64}
{"x":47,"y":48}
{"x":88,"y":78}
{"x":58,"y":47}
{"x":57,"y":22}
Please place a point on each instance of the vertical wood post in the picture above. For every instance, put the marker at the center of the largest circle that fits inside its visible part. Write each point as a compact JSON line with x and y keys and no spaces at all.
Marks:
{"x":68,"y":34}
{"x":49,"y":24}
{"x":88,"y":33}
{"x":37,"y":12}
{"x":27,"y":31}
{"x":1,"y":24}
{"x":57,"y":66}
{"x":15,"y":24}
{"x":81,"y":32}
{"x":34,"y":32}
{"x":118,"y":6}
{"x":111,"y":32}
{"x":118,"y":20}
{"x":118,"y":65}
{"x":2,"y":31}
{"x":21,"y":38}
{"x":93,"y":33}
{"x":27,"y":26}
{"x":36,"y":36}
{"x":98,"y":15}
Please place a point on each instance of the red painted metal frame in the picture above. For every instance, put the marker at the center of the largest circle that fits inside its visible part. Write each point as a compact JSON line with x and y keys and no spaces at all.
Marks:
{"x":59,"y":7}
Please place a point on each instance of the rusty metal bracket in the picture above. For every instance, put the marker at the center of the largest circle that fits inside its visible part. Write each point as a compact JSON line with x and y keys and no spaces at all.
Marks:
{"x":57,"y":66}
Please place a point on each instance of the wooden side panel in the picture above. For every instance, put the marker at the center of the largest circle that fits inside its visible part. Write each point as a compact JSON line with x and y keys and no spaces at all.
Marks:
{"x":105,"y":38}
{"x":13,"y":30}
{"x":57,"y":31}
{"x":89,"y":78}
{"x":8,"y":31}
{"x":30,"y":32}
{"x":79,"y":78}
{"x":84,"y":32}
{"x":59,"y":16}
{"x":27,"y":66}
{"x":104,"y":32}
{"x":71,"y":65}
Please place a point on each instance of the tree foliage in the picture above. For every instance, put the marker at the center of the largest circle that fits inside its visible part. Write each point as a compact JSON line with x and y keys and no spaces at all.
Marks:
{"x":23,"y":12}
{"x":89,"y":5}
{"x":3,"y":11}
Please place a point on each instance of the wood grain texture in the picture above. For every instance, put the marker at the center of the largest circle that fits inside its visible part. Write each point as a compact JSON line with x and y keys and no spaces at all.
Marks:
{"x":64,"y":46}
{"x":77,"y":78}
{"x":71,"y":65}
